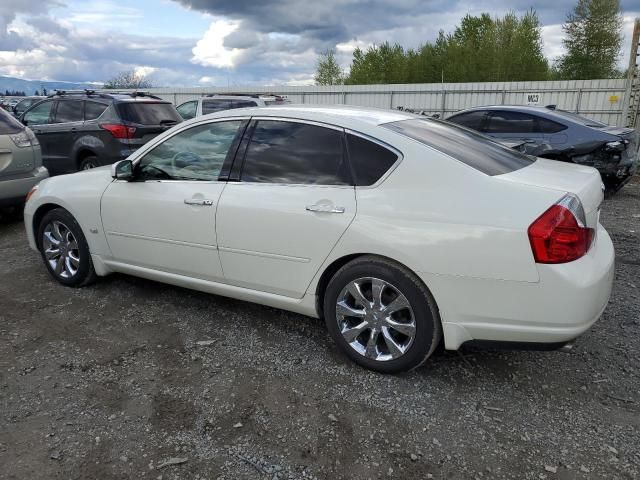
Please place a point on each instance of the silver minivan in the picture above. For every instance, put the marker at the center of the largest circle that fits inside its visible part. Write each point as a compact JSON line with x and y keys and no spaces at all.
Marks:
{"x":20,"y":162}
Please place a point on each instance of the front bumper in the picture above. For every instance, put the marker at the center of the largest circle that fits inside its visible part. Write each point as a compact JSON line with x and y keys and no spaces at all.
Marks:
{"x":562,"y":305}
{"x":14,"y":190}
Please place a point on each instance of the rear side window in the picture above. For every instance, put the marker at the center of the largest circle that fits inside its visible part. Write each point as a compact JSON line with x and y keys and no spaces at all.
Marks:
{"x":464,"y":145}
{"x":369,"y":160}
{"x":8,"y":124}
{"x":68,"y":111}
{"x":93,"y":110}
{"x":549,"y":126}
{"x":211,"y":106}
{"x":149,"y":113}
{"x":471,"y":120}
{"x":511,"y":122}
{"x":295,"y":153}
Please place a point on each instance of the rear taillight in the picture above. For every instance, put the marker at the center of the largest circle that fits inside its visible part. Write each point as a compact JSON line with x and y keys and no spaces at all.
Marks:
{"x":118,"y":130}
{"x":560,"y":235}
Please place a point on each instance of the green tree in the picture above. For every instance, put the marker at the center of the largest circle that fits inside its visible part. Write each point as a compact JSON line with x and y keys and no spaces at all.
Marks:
{"x":328,"y":72}
{"x":128,"y":79}
{"x":593,"y":40}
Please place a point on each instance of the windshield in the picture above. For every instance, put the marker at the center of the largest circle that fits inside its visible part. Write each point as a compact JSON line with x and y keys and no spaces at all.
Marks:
{"x":463,"y":144}
{"x":149,"y":113}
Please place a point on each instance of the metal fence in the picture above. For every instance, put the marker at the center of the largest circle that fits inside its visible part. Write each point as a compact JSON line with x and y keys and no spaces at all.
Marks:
{"x":601,"y":100}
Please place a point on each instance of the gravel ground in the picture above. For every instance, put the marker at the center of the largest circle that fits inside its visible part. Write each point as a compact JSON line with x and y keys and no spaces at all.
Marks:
{"x":133,"y":379}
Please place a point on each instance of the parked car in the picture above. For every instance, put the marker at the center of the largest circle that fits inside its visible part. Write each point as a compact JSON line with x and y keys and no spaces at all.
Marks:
{"x":20,"y":162}
{"x":79,"y":130}
{"x":399,"y":230}
{"x":560,"y":135}
{"x":24,"y":104}
{"x":219,"y":102}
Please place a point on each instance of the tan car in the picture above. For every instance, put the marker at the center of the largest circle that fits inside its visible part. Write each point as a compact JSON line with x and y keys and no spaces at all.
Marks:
{"x":20,"y":163}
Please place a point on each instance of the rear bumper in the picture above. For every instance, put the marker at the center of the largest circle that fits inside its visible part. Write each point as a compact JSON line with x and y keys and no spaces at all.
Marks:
{"x":566,"y":301}
{"x":14,"y":191}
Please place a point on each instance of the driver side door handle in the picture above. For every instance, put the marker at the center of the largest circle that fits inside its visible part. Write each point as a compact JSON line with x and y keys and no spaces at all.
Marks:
{"x":198,"y":201}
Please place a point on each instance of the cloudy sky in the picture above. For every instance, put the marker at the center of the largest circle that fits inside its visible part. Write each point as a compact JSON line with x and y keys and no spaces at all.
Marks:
{"x":232,"y":42}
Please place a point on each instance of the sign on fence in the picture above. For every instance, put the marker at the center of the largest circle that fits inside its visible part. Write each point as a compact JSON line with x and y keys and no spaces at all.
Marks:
{"x":534,"y":98}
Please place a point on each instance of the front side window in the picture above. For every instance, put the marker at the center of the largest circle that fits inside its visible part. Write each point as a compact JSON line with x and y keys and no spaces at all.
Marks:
{"x":188,"y":109}
{"x":511,"y":122}
{"x":473,"y":120}
{"x":466,"y":146}
{"x":69,"y":111}
{"x":194,"y":154}
{"x":295,"y":153}
{"x":39,"y":115}
{"x":211,"y":106}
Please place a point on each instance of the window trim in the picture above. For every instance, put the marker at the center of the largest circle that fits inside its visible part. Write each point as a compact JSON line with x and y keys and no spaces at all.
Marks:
{"x":399,"y":154}
{"x":149,"y":146}
{"x":244,"y":147}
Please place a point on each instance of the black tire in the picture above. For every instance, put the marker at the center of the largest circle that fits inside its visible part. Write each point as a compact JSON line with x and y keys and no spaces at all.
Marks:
{"x":428,"y":329}
{"x":84,"y":272}
{"x":88,"y":163}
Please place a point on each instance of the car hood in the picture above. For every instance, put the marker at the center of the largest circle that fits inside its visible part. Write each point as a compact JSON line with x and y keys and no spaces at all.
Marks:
{"x":95,"y":179}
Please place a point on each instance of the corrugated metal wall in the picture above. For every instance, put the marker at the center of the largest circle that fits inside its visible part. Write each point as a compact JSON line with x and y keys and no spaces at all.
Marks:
{"x":598,"y":99}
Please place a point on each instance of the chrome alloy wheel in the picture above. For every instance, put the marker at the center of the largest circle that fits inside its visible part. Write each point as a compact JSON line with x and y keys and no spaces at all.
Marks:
{"x":61,"y":249}
{"x":375,"y":319}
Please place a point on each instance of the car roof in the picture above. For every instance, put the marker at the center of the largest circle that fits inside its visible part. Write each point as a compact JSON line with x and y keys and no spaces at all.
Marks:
{"x":332,"y":114}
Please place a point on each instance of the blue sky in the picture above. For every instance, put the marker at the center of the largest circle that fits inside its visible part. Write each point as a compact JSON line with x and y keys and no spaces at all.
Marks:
{"x":233,"y":42}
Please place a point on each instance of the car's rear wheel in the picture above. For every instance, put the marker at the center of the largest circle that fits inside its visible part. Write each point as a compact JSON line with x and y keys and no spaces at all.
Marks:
{"x":381,"y":315}
{"x":89,"y":162}
{"x":64,"y":249}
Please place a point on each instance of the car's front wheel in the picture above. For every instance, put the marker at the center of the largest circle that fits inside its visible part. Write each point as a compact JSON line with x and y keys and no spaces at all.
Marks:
{"x":381,"y":315}
{"x":64,"y":249}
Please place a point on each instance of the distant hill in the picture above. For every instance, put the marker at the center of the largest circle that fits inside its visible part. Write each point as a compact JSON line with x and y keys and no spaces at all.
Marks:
{"x":30,"y":86}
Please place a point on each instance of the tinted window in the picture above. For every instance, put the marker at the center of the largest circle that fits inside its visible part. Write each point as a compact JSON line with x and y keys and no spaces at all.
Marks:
{"x":369,"y":160}
{"x":194,"y":154}
{"x":68,"y":111}
{"x":93,"y":110}
{"x":8,"y":124}
{"x":511,"y":122}
{"x":23,"y":105}
{"x":464,"y":145}
{"x":188,"y":110}
{"x":148,"y":113}
{"x":549,"y":126}
{"x":210,"y":106}
{"x":39,"y":114}
{"x":295,"y":153}
{"x":470,"y":120}
{"x":244,"y":104}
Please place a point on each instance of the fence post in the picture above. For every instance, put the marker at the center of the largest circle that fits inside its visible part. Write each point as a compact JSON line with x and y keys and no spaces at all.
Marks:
{"x":344,"y":97}
{"x":442,"y":106}
{"x":302,"y":97}
{"x":175,"y":98}
{"x":504,"y":96}
{"x":391,"y":99}
{"x":579,"y":101}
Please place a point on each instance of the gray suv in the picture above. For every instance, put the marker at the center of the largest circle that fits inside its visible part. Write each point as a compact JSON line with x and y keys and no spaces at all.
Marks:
{"x":20,"y":162}
{"x":560,"y":135}
{"x":79,"y":130}
{"x":227,"y":101}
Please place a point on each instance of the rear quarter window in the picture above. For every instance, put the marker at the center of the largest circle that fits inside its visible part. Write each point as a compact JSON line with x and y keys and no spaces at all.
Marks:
{"x":149,"y":113}
{"x":463,"y":144}
{"x":369,"y":160}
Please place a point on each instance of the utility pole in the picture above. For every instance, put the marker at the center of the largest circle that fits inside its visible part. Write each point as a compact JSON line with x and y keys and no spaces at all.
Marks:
{"x":632,"y":96}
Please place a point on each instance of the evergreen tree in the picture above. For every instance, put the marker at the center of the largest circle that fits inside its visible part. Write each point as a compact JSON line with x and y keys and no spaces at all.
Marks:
{"x":593,"y":40}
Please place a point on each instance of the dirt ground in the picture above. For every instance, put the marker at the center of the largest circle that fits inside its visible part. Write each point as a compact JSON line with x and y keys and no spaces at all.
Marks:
{"x":111,"y":382}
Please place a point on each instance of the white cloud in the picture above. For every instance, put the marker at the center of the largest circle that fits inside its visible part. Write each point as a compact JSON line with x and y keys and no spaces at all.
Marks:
{"x":210,"y":50}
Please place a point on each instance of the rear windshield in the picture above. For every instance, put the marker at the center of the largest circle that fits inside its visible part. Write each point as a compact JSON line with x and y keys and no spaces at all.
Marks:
{"x":587,"y":122}
{"x":8,"y":124}
{"x":149,"y":113}
{"x":463,"y":144}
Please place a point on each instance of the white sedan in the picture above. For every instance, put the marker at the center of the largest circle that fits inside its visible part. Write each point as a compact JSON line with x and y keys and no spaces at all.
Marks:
{"x":401,"y":232}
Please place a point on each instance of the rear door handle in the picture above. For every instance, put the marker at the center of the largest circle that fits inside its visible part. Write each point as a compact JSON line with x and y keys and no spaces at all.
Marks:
{"x":198,"y":201}
{"x":325,"y":209}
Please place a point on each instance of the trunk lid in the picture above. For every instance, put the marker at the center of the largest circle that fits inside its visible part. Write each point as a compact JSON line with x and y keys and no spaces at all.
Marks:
{"x":584,"y":182}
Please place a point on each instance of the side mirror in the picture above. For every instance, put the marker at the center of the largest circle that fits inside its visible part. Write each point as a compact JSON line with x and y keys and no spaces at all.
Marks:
{"x":122,"y":170}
